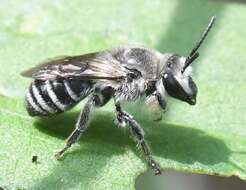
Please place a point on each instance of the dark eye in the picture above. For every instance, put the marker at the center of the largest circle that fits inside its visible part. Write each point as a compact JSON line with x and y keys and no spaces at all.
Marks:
{"x":173,"y":87}
{"x":193,"y":87}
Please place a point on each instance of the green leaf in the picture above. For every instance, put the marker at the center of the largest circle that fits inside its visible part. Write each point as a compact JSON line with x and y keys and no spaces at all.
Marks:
{"x":207,"y":138}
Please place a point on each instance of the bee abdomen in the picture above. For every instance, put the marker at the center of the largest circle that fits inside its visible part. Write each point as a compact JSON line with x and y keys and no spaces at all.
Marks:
{"x":49,"y":97}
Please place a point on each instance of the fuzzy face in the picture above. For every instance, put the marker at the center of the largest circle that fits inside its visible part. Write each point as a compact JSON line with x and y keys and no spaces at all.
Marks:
{"x":177,"y":84}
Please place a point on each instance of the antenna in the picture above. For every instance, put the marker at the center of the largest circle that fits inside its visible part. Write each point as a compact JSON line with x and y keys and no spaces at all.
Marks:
{"x":194,"y":54}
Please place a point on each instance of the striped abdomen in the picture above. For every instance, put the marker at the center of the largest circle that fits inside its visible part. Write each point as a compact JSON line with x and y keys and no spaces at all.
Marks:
{"x":49,"y":97}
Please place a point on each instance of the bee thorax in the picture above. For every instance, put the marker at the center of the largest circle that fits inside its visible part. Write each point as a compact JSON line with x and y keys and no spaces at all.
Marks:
{"x":128,"y":92}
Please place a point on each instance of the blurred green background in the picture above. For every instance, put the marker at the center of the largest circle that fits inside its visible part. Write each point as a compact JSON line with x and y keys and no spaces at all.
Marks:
{"x":208,"y":138}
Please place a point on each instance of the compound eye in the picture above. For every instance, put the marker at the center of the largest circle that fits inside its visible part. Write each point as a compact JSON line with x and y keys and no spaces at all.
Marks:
{"x":173,"y":87}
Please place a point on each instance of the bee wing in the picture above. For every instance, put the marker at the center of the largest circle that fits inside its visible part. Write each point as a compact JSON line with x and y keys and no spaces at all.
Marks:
{"x":97,"y":65}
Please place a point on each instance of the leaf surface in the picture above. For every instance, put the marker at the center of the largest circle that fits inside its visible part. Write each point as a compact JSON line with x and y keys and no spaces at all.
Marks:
{"x":207,"y":138}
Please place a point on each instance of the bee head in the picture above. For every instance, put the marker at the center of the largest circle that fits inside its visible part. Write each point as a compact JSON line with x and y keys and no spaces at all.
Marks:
{"x":176,"y":75}
{"x":178,"y":83}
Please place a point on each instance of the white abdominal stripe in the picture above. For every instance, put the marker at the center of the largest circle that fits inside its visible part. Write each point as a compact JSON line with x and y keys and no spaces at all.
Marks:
{"x":33,"y":104}
{"x":40,"y":100}
{"x":54,"y":97}
{"x":70,"y":92}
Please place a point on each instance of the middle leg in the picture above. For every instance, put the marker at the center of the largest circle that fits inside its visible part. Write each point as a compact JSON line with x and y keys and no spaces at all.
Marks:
{"x":137,"y":131}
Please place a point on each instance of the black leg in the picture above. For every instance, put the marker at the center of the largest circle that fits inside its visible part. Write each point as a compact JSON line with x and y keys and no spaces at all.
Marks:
{"x":81,"y":125}
{"x":137,"y":132}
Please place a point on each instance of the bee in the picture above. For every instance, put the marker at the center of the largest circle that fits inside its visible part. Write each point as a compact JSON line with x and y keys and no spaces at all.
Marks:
{"x":124,"y":74}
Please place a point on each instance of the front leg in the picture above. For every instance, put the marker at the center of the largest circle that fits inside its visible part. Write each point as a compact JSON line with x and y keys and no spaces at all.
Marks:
{"x":160,"y":99}
{"x":155,"y":105}
{"x":138,"y":133}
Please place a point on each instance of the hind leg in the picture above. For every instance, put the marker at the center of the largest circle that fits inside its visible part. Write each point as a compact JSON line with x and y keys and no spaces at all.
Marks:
{"x":82,"y":122}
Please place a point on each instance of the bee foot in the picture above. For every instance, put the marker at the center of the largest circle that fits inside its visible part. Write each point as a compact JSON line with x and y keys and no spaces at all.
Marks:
{"x":156,"y":168}
{"x":58,"y":154}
